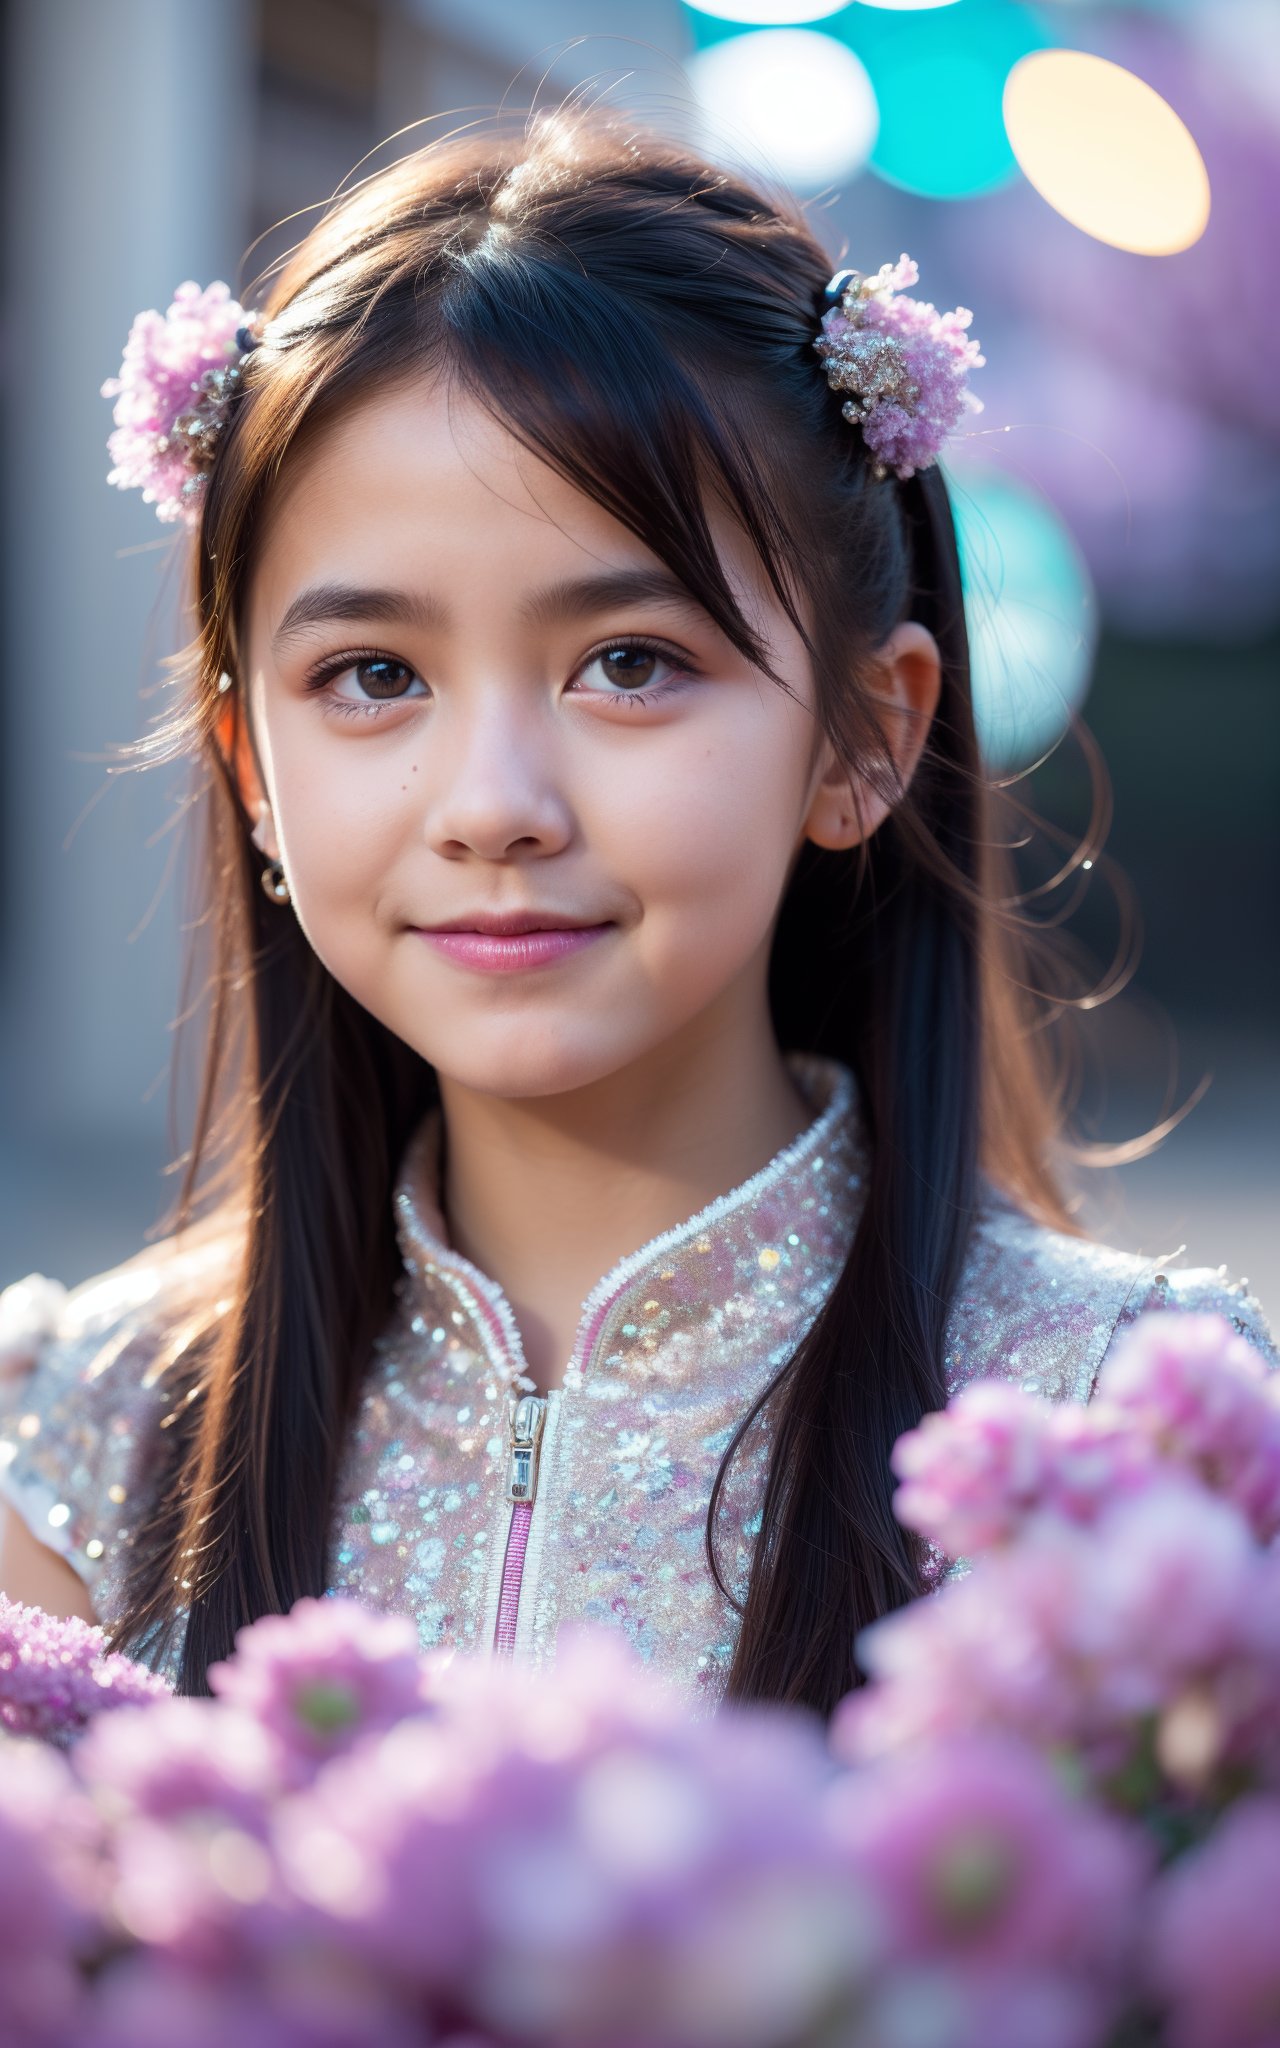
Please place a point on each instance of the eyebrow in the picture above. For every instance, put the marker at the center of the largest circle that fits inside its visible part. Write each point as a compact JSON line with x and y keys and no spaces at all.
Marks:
{"x":553,"y":604}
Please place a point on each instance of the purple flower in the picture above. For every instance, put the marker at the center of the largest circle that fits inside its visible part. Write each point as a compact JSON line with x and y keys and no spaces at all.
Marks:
{"x":326,"y":1674}
{"x":569,"y":1856}
{"x":55,"y":1675}
{"x":1211,"y":1953}
{"x":1177,"y":1575}
{"x":1202,"y":1396}
{"x":974,"y":1471}
{"x":189,"y":1756}
{"x":169,"y":394}
{"x":981,"y":1652}
{"x":145,"y":2001}
{"x":904,"y":365}
{"x":185,"y":1790}
{"x":1080,"y":1635}
{"x":47,"y":1845}
{"x":952,"y":2005}
{"x":1181,"y":1393}
{"x":198,"y":1889}
{"x":988,"y":1870}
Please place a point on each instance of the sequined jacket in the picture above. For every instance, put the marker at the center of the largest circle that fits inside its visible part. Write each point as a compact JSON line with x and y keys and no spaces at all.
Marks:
{"x":492,"y":1514}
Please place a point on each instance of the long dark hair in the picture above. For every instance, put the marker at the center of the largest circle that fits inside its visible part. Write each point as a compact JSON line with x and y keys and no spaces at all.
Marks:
{"x":642,"y":320}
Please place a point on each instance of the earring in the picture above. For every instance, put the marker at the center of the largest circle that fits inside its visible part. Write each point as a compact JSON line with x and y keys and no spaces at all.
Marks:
{"x":275,"y":883}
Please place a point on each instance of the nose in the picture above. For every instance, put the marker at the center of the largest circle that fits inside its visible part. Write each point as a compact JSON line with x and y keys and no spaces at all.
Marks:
{"x":493,"y":783}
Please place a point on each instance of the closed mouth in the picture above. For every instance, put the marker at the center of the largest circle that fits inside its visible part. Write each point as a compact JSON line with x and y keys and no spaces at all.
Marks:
{"x":514,"y":924}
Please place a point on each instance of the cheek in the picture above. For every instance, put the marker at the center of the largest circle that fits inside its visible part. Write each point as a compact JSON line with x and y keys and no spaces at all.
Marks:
{"x":338,"y":827}
{"x":708,"y":845}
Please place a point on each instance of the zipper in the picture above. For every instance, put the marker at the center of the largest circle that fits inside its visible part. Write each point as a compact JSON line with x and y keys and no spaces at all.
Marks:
{"x":526,"y":1420}
{"x":478,"y":1296}
{"x":527,"y":1416}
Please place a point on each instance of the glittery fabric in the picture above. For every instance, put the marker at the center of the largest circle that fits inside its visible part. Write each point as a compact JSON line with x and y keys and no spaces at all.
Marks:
{"x":673,"y":1346}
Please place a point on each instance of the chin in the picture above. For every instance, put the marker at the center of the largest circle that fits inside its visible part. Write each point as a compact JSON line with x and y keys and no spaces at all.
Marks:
{"x":542,"y":1062}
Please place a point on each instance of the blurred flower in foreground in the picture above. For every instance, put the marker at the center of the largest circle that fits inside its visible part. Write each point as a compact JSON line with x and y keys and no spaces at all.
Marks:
{"x":1211,"y":1950}
{"x":1016,"y":1900}
{"x":323,"y":1676}
{"x":1128,"y":1601}
{"x":48,"y":1839}
{"x":1051,"y":1816}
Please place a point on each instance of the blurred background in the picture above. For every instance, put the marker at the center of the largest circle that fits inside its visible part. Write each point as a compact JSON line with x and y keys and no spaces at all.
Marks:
{"x":1097,"y":181}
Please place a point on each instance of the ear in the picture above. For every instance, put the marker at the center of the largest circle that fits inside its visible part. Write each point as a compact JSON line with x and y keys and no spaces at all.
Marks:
{"x":235,"y":743}
{"x":905,"y":691}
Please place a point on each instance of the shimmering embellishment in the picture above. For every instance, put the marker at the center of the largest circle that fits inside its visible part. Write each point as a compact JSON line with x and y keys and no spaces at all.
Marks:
{"x":637,"y":1428}
{"x":673,"y":1345}
{"x":903,"y":365}
{"x":178,"y":378}
{"x":873,"y":368}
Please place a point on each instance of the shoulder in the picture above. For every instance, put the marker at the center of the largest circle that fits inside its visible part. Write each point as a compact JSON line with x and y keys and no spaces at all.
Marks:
{"x":1206,"y":1290}
{"x":1042,"y":1306}
{"x":85,"y":1373}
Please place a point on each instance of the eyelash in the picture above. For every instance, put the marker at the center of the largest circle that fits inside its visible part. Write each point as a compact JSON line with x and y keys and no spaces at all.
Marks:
{"x":634,"y":643}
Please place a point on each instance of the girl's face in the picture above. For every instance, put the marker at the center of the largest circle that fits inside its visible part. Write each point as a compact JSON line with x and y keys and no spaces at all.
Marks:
{"x":475,"y":693}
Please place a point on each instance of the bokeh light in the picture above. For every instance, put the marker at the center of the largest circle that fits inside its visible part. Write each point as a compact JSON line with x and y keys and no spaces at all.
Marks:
{"x":1031,"y":613}
{"x":772,"y":13}
{"x":795,"y":98}
{"x":1107,"y":153}
{"x":939,"y":75}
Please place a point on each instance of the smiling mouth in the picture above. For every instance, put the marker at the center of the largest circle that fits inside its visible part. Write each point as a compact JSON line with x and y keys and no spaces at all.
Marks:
{"x":514,"y":923}
{"x":512,"y":951}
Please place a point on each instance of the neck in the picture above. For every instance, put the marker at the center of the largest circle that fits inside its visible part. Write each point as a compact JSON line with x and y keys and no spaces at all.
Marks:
{"x":546,"y":1194}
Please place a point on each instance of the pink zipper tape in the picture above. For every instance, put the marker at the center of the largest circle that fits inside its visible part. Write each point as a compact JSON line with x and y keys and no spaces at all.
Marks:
{"x":504,"y":1634}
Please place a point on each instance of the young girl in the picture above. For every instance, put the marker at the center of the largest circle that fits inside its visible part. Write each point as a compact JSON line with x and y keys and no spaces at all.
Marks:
{"x":583,"y":648}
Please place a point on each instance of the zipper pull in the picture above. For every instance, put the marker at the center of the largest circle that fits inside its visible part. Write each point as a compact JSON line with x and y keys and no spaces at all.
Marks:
{"x":526,"y":1417}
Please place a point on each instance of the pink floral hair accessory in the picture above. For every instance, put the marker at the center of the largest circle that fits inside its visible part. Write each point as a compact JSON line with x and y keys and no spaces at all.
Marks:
{"x":904,"y":365}
{"x":173,"y":396}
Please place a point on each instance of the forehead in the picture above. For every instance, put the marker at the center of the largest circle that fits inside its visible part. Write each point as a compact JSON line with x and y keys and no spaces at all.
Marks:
{"x":397,"y":454}
{"x":418,"y":485}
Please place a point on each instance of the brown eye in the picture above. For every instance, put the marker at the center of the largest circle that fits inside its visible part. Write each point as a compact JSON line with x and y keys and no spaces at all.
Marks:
{"x":630,"y":667}
{"x":633,"y":671}
{"x":374,"y":679}
{"x":378,"y":682}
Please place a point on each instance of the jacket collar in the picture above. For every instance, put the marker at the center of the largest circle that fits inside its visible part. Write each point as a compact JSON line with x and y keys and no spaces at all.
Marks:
{"x":815,"y":1181}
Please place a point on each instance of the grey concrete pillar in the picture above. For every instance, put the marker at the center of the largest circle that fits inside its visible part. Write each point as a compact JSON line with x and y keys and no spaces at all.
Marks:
{"x":127,"y":125}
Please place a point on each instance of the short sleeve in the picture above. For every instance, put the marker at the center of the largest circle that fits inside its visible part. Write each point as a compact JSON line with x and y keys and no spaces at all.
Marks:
{"x":1203,"y":1290}
{"x":85,"y":1384}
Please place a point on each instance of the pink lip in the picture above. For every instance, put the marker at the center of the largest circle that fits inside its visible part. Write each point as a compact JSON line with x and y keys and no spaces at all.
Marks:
{"x":510,"y":953}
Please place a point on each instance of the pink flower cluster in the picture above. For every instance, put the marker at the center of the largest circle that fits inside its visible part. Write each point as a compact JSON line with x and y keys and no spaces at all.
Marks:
{"x":170,"y":395}
{"x":904,"y":365}
{"x":1122,"y":1618}
{"x":326,"y":1671}
{"x":1183,"y":1394}
{"x":352,"y":1847}
{"x":55,"y":1676}
{"x":1128,"y":1600}
{"x":1052,"y":1816}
